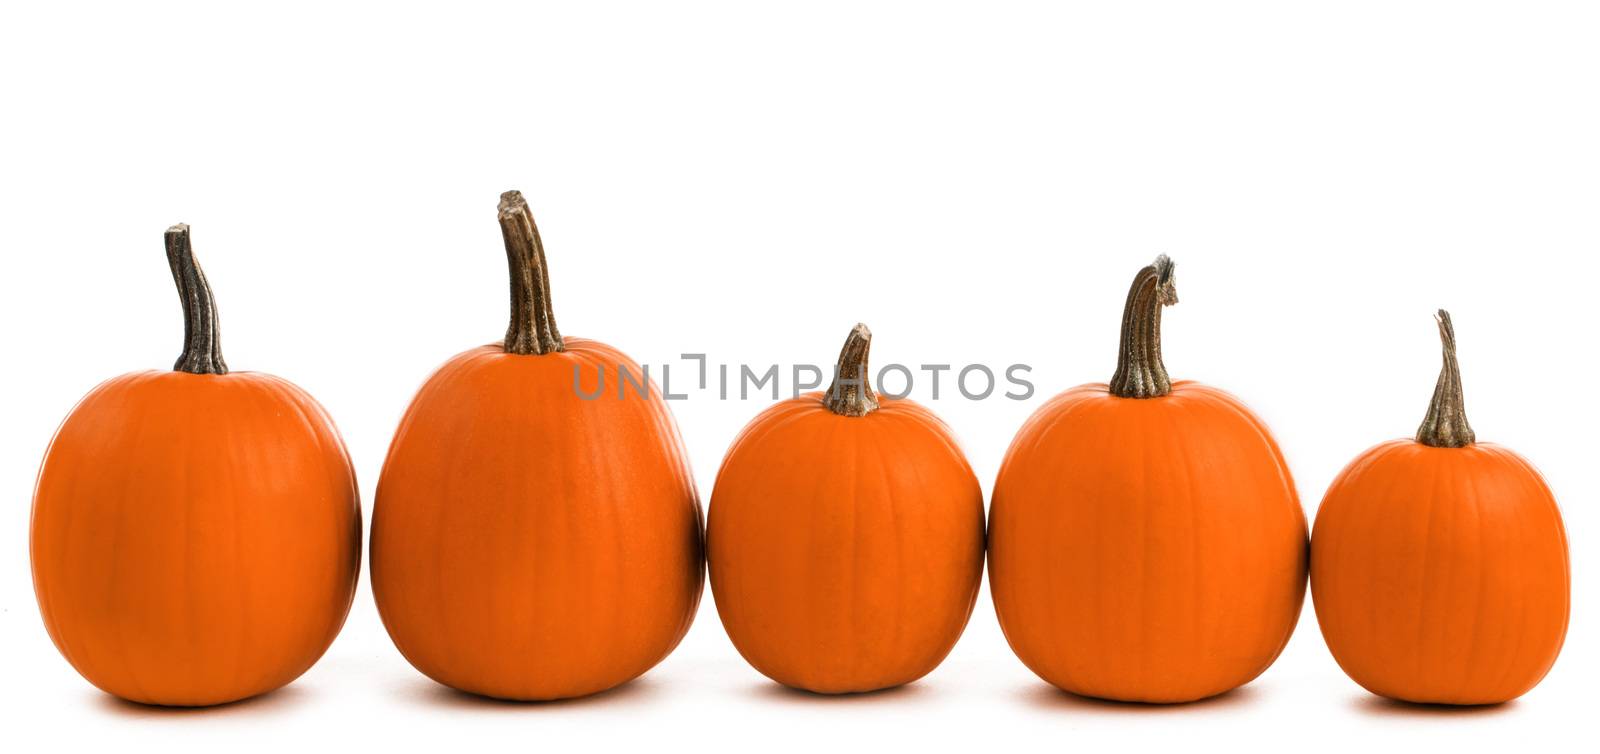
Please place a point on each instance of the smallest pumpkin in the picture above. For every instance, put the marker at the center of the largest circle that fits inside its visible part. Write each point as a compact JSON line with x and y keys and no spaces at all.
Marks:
{"x":845,"y":538}
{"x":1439,"y":565}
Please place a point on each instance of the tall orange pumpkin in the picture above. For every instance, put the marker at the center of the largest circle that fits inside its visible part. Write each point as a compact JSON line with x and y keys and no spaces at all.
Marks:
{"x":845,"y":539}
{"x":528,"y":543}
{"x":1439,"y":565}
{"x":1146,"y":542}
{"x":196,"y":533}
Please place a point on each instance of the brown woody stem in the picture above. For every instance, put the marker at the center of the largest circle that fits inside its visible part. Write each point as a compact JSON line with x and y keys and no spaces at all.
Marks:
{"x":1446,"y":425}
{"x":851,"y":392}
{"x":1140,"y":373}
{"x":533,"y":324}
{"x":202,"y":344}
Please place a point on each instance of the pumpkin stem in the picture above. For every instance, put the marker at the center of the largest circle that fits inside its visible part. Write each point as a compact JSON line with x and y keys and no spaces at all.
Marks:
{"x":202,"y":344}
{"x":533,"y":323}
{"x":851,"y":392}
{"x":1446,"y":425}
{"x":1140,"y":373}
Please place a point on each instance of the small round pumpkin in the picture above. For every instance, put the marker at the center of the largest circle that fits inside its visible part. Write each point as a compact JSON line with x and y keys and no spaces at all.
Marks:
{"x":529,"y":543}
{"x":196,"y":533}
{"x":1146,"y":542}
{"x":845,"y":539}
{"x":1439,"y":567}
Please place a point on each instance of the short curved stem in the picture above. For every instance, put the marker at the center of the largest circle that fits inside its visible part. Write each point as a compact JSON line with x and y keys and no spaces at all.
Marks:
{"x":202,"y":343}
{"x":851,"y":392}
{"x":533,"y":323}
{"x":1140,"y":373}
{"x":1446,"y":425}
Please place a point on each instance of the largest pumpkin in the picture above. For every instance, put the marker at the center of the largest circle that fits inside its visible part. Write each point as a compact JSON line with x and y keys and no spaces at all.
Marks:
{"x":529,"y":542}
{"x":1145,"y":539}
{"x":196,"y":533}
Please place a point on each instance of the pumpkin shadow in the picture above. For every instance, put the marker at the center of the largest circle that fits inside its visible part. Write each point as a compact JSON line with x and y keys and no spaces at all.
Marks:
{"x":1045,"y":696}
{"x":271,"y":702}
{"x":772,"y":691}
{"x":1379,"y":706}
{"x":438,"y":695}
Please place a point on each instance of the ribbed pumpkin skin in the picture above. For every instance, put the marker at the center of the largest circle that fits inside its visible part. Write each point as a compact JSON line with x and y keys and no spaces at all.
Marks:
{"x":196,"y":538}
{"x":1147,"y":550}
{"x":845,"y":552}
{"x":1440,"y":575}
{"x":529,"y":544}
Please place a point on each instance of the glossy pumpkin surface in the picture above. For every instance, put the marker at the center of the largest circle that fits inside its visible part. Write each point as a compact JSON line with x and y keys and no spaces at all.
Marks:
{"x":1441,"y":574}
{"x":1146,"y":550}
{"x":845,"y":551}
{"x":1439,"y":566}
{"x":1146,"y":543}
{"x":196,"y":538}
{"x":528,"y":543}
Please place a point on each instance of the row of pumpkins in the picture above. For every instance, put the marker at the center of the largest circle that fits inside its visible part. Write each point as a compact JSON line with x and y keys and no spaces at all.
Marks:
{"x":196,"y":533}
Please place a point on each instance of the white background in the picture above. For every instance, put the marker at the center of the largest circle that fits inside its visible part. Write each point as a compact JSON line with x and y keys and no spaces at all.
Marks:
{"x":976,"y":182}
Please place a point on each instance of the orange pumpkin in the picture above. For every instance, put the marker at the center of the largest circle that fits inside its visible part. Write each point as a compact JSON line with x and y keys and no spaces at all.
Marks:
{"x":1439,"y":565}
{"x":1146,"y":543}
{"x":845,"y":540}
{"x":528,"y":543}
{"x":196,"y":533}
